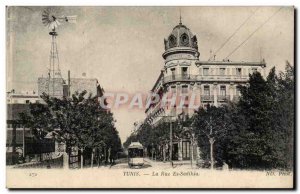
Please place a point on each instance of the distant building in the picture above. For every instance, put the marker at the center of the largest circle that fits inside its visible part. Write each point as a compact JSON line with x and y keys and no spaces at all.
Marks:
{"x":213,"y":82}
{"x":20,"y":142}
{"x":20,"y":138}
{"x":22,"y":97}
{"x":60,"y":86}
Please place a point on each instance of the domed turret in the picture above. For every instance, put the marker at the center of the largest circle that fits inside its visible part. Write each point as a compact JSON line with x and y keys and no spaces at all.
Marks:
{"x":181,"y":39}
{"x":181,"y":36}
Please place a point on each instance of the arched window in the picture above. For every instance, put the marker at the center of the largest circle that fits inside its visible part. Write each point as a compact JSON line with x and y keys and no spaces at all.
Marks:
{"x":172,"y":41}
{"x":184,"y":39}
{"x":195,"y":42}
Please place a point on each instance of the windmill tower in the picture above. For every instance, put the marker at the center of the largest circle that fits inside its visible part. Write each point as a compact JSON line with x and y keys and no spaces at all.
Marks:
{"x":52,"y":21}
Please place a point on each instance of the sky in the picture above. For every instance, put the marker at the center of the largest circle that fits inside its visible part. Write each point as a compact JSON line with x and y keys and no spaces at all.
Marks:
{"x":122,"y":46}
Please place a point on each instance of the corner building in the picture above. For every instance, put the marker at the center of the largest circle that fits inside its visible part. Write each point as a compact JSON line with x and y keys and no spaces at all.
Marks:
{"x":212,"y":82}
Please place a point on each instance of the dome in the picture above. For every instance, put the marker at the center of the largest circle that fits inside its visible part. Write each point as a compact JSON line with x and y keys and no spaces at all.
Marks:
{"x":181,"y":36}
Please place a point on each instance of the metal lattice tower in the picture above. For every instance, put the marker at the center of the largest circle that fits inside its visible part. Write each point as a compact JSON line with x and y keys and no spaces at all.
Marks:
{"x":52,"y":21}
{"x":54,"y":70}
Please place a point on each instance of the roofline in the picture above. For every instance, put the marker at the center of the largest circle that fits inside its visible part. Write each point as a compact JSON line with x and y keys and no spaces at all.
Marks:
{"x":262,"y":63}
{"x":157,"y":81}
{"x":23,"y":96}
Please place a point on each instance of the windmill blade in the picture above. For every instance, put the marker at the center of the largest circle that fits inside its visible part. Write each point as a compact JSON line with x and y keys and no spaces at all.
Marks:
{"x":47,"y":17}
{"x":47,"y":11}
{"x":50,"y":19}
{"x":46,"y":21}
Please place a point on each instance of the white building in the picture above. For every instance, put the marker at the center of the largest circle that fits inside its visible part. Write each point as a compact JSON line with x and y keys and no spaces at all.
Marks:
{"x":22,"y":97}
{"x":212,"y":82}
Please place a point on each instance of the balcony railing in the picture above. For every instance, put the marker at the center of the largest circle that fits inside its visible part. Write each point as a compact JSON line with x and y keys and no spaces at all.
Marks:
{"x":190,"y":77}
{"x":207,"y":98}
{"x":223,"y":97}
{"x":180,"y":77}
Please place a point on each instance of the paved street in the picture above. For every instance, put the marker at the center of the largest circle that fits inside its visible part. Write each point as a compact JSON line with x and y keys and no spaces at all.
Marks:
{"x":123,"y":164}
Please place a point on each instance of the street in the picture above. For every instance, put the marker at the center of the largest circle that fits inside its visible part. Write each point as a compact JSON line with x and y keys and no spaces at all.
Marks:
{"x":152,"y":164}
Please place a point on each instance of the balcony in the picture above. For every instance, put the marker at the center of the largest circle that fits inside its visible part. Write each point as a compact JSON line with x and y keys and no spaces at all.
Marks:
{"x":207,"y":98}
{"x":190,"y":77}
{"x":223,"y":98}
{"x":180,"y":77}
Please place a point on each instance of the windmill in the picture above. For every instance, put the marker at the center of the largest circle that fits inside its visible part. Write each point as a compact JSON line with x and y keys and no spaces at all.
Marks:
{"x":51,"y":20}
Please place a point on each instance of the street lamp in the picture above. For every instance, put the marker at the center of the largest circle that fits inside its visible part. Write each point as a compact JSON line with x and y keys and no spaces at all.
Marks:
{"x":171,"y":137}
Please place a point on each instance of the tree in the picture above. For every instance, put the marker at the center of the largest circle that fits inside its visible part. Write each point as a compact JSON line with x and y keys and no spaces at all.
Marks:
{"x":211,"y":125}
{"x":284,"y":120}
{"x":152,"y":137}
{"x":264,"y":122}
{"x":77,"y":121}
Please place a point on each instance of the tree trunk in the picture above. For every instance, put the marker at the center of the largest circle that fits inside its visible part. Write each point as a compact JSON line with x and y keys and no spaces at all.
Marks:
{"x":92,"y":158}
{"x":99,"y":157}
{"x":212,"y":141}
{"x":105,"y":158}
{"x":81,"y":159}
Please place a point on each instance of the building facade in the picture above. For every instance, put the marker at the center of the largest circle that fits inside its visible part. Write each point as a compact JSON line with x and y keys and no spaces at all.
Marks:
{"x":22,"y":97}
{"x":58,"y":87}
{"x":204,"y":82}
{"x":21,"y":145}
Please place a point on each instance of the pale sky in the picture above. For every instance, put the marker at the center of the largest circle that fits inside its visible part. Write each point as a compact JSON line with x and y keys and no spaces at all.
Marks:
{"x":122,"y":46}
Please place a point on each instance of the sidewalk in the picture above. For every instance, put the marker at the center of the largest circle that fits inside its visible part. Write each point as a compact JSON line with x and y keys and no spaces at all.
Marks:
{"x":176,"y":164}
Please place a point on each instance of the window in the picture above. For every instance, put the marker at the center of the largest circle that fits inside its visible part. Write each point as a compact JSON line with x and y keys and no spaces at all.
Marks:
{"x":184,"y":90}
{"x":173,"y":110}
{"x":172,"y":41}
{"x":184,"y":39}
{"x":223,"y":90}
{"x":27,"y":101}
{"x":222,"y":71}
{"x":184,"y":72}
{"x":185,"y":110}
{"x":173,"y":89}
{"x":206,"y":91}
{"x":239,"y":71}
{"x":205,"y":71}
{"x":238,"y":91}
{"x":173,"y":73}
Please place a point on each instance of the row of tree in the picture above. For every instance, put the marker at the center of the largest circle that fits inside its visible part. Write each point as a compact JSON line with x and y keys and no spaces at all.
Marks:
{"x":256,"y":132}
{"x":78,"y":122}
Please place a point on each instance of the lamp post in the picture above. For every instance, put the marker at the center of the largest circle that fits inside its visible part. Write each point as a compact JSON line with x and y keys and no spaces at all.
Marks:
{"x":171,"y":136}
{"x":180,"y":118}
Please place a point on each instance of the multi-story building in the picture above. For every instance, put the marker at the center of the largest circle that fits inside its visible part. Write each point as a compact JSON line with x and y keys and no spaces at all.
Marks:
{"x":58,"y":87}
{"x":211,"y":82}
{"x":18,"y":134}
{"x":19,"y":137}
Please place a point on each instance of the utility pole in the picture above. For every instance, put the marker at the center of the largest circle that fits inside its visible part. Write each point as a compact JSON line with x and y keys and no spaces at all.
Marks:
{"x":69,"y":83}
{"x":171,"y":137}
{"x":23,"y":142}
